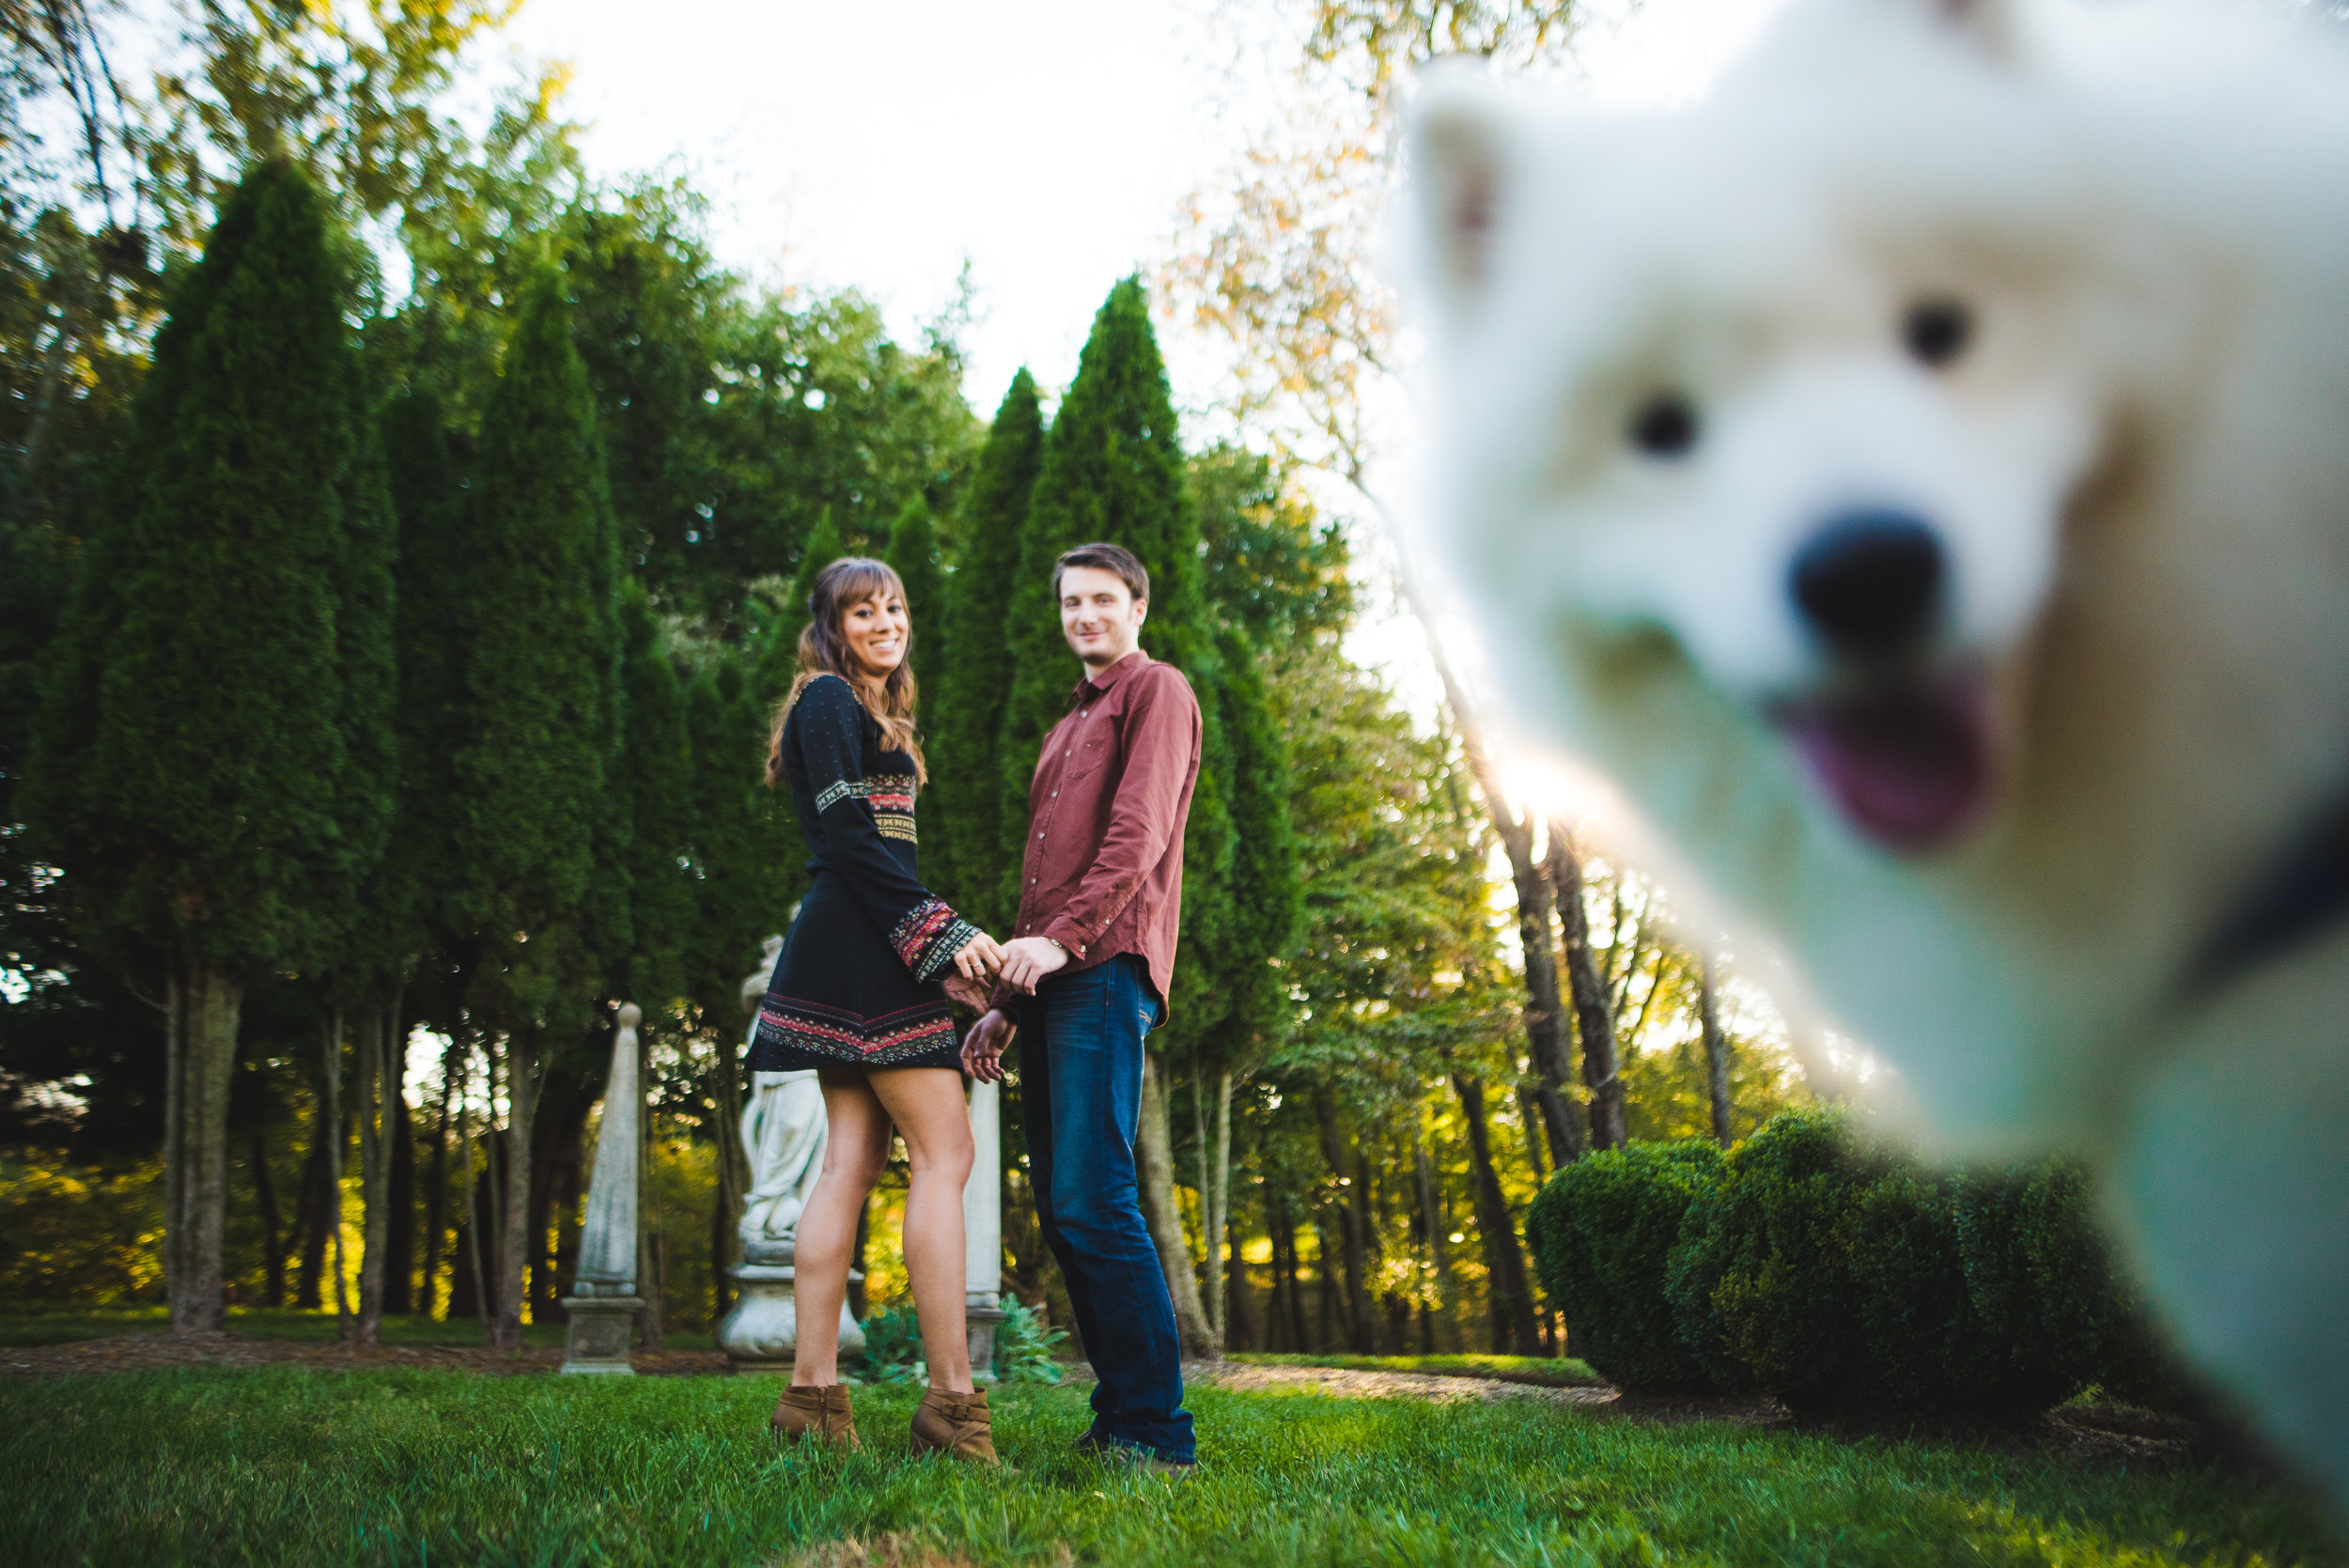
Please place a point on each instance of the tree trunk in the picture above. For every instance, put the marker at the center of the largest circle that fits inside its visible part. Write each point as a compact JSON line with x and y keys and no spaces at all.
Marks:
{"x":272,"y":1228}
{"x":1530,"y":1112}
{"x":1438,"y":1253}
{"x":436,"y":1194}
{"x":1594,"y":1014}
{"x":1154,"y":1161}
{"x":1507,"y":1296}
{"x":1350,"y":1223}
{"x":1359,"y":1277}
{"x":1716,"y":1050}
{"x":330,"y":1069}
{"x":175,"y":1134}
{"x":399,"y":1245}
{"x":1537,"y":892}
{"x":313,"y":1207}
{"x":1325,"y":1298}
{"x":1221,"y":1284}
{"x":1287,"y":1332}
{"x":375,"y":1171}
{"x":651,"y":1246}
{"x":726,"y":1132}
{"x":467,"y":1243}
{"x":1215,"y":1165}
{"x":1240,"y":1329}
{"x":210,"y":1008}
{"x":514,"y":1248}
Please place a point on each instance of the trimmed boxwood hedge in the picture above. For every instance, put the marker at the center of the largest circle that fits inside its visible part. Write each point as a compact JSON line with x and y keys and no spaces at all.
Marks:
{"x":1602,"y":1231}
{"x":1815,"y":1264}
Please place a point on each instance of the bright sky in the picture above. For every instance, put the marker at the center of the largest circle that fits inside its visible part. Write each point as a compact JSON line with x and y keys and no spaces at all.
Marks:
{"x":1047,"y":141}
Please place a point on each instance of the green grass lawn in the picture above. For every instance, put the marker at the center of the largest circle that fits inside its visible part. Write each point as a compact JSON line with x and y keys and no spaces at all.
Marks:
{"x":286,"y":1465}
{"x":32,"y":1324}
{"x":1561,"y":1372}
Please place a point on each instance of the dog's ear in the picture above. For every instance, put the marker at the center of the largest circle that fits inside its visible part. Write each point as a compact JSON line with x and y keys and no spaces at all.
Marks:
{"x":1456,"y":167}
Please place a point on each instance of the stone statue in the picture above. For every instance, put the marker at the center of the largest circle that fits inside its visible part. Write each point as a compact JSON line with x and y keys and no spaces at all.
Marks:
{"x":783,"y":1135}
{"x":783,"y":1138}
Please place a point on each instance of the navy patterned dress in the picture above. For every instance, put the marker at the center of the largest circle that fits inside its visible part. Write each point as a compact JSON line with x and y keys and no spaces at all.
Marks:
{"x":857,"y":982}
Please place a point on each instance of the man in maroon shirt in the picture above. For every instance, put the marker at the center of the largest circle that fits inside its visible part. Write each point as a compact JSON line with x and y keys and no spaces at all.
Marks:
{"x":1087,"y":970}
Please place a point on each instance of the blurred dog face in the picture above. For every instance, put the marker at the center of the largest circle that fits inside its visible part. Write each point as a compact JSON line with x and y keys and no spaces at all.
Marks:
{"x":1787,"y":403}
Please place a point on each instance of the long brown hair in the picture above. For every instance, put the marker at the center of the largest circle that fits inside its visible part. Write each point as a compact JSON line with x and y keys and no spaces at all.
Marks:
{"x":823,"y":651}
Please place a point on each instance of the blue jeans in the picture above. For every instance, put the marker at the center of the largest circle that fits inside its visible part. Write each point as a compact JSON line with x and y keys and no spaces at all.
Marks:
{"x":1081,"y":1098}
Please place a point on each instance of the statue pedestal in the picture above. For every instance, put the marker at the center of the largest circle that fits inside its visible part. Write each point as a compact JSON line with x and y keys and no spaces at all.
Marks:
{"x":763,"y":1331}
{"x":600,"y":1331}
{"x":980,"y":1318}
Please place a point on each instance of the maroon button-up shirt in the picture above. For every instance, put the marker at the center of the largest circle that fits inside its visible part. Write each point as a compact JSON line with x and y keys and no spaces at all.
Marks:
{"x":1104,"y":866}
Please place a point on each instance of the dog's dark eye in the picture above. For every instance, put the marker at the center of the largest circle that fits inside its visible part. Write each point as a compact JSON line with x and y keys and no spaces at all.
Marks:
{"x":1937,"y":331}
{"x":1664,"y":425}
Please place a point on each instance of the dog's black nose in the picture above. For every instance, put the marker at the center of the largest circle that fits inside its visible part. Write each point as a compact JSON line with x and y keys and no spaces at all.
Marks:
{"x":1869,"y":583}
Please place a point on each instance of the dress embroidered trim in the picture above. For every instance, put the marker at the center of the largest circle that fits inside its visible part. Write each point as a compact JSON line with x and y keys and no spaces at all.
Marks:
{"x":891,"y":801}
{"x":810,"y":1026}
{"x":929,"y":937}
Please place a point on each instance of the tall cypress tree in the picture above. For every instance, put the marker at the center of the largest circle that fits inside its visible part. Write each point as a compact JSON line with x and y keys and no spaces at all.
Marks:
{"x":193,"y":764}
{"x":658,"y":779}
{"x":964,"y":705}
{"x":777,"y":662}
{"x":542,"y":671}
{"x":912,"y":554}
{"x":1113,"y":471}
{"x":420,"y":879}
{"x":374,"y":948}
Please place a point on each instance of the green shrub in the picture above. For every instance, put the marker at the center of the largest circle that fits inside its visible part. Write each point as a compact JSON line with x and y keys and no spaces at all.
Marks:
{"x":1602,"y":1233}
{"x":1928,"y":1347}
{"x":893,"y":1346}
{"x":1761,"y":1282}
{"x":1024,"y":1345}
{"x":2046,"y":1286}
{"x":1835,"y":1273}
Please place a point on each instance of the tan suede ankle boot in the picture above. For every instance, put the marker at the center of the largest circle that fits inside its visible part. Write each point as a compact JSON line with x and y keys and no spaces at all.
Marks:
{"x":815,"y":1410}
{"x":956,"y":1425}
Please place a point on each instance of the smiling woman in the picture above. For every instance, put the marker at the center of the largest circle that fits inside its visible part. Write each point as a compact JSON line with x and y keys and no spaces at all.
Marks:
{"x":857,"y":996}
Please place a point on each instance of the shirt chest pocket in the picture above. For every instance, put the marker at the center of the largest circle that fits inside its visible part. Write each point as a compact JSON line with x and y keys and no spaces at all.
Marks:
{"x":1089,"y":752}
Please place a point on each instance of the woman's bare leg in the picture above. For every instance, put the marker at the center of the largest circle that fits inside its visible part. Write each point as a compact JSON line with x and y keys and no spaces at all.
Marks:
{"x":855,"y":1147}
{"x":926,"y":1105}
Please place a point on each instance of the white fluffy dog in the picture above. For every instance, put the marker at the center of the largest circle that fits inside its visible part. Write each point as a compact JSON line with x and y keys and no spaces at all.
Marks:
{"x":1918,"y":475}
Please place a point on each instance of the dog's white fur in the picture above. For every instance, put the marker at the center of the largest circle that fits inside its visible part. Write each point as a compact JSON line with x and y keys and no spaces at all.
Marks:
{"x":2139,"y":469}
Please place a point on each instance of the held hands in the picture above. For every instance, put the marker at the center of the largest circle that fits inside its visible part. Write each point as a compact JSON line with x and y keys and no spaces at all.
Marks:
{"x":979,"y":960}
{"x":1029,"y":959}
{"x":982,"y":1048}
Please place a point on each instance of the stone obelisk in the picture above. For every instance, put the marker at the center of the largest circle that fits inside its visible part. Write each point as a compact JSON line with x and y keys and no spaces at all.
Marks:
{"x":603,"y":1302}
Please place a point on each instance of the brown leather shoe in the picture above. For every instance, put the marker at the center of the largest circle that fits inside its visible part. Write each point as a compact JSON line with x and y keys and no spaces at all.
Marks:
{"x":815,"y":1410}
{"x":956,"y":1425}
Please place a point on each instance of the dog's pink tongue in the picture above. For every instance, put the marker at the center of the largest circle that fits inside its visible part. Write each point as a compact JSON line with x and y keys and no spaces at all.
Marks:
{"x":1911,"y":772}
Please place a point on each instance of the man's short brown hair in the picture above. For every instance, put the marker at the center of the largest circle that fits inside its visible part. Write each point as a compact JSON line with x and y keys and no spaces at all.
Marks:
{"x":1106,"y":557}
